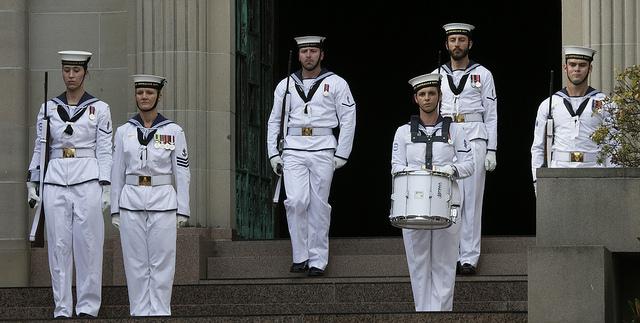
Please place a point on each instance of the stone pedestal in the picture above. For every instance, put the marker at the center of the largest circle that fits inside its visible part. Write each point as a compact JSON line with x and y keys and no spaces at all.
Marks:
{"x":583,"y":217}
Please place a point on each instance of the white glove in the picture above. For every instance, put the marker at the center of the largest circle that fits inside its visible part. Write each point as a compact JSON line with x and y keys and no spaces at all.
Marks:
{"x":275,"y":162}
{"x":115,"y":220}
{"x":31,"y":193}
{"x":181,"y":220}
{"x":490,"y":161}
{"x":535,"y":189}
{"x":338,"y":162}
{"x":447,"y":169}
{"x":106,"y":196}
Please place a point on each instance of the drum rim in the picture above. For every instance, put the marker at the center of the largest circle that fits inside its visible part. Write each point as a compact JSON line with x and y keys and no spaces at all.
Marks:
{"x":421,"y":172}
{"x":395,"y":221}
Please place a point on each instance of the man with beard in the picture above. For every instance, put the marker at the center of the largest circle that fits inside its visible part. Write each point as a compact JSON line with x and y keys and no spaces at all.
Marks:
{"x":577,"y":111}
{"x":469,"y":97}
{"x":319,"y":104}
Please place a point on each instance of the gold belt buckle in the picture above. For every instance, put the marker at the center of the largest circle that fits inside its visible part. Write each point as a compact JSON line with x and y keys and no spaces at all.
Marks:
{"x":459,"y":117}
{"x":307,"y":131}
{"x":68,"y":152}
{"x":144,"y":180}
{"x":577,"y":156}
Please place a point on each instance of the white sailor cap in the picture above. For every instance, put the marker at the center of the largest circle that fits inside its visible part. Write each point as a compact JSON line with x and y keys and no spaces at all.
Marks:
{"x":458,"y":28}
{"x":75,"y":57}
{"x":147,"y":80}
{"x":310,"y":41}
{"x":578,"y":52}
{"x":425,"y":80}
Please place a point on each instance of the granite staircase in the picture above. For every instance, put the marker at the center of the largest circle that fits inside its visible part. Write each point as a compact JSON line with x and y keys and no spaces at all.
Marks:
{"x":366,"y":281}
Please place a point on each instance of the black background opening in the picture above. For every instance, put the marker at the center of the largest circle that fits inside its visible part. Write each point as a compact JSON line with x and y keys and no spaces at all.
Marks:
{"x":377,"y":46}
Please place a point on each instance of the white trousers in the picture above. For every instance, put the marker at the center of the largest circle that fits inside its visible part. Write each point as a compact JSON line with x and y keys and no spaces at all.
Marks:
{"x":307,"y":180}
{"x":431,"y":256}
{"x":149,"y":251}
{"x":75,"y":232}
{"x":473,"y":192}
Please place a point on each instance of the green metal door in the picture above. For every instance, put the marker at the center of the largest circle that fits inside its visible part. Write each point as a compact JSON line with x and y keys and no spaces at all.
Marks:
{"x":254,"y":95}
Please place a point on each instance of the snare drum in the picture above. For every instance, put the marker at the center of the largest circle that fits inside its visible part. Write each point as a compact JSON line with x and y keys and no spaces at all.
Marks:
{"x":423,"y":200}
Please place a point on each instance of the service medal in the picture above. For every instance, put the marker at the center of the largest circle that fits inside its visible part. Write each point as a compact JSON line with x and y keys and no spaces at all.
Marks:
{"x":326,"y":90}
{"x":161,"y":141}
{"x":475,"y":80}
{"x":172,"y":143}
{"x":156,"y":141}
{"x":92,"y":112}
{"x":596,"y":107}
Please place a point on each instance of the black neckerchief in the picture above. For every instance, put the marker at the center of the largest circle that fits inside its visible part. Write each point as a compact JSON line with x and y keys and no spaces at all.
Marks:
{"x":567,"y":103}
{"x":297,"y":77}
{"x":61,"y":101}
{"x":144,"y":141}
{"x":158,"y":122}
{"x":65,"y":118}
{"x":457,"y":89}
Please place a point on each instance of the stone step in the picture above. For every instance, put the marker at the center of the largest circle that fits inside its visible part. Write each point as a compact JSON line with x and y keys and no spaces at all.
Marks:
{"x":356,"y":246}
{"x":476,"y":317}
{"x":393,"y":265}
{"x":295,"y":296}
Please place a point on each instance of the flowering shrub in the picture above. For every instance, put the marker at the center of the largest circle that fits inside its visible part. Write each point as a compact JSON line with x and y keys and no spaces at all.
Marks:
{"x":619,"y":135}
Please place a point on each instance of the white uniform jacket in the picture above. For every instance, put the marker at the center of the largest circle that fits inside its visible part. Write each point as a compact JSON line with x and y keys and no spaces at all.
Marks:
{"x":477,"y":96}
{"x":408,"y":156}
{"x":329,"y":105}
{"x":88,"y":130}
{"x":574,"y":121}
{"x":156,"y":151}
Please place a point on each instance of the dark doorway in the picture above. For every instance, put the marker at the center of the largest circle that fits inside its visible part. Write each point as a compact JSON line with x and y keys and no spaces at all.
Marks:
{"x":377,"y":46}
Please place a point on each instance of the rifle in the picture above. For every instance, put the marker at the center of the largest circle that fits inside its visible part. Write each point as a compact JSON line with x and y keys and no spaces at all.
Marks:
{"x":439,"y":81}
{"x":548,"y":139}
{"x":281,"y":135}
{"x":37,"y":228}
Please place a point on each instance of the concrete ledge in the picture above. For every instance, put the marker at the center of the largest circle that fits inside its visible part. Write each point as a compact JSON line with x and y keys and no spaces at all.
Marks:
{"x":588,"y":172}
{"x":589,"y":206}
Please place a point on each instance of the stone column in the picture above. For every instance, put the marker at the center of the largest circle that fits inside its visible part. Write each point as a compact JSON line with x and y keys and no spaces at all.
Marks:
{"x":609,"y":26}
{"x":191,"y":43}
{"x":14,"y":246}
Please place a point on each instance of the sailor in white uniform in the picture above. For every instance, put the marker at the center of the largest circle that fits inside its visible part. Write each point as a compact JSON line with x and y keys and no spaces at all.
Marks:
{"x":150,"y":180}
{"x":319,"y":104}
{"x":76,"y":187}
{"x":432,"y":254}
{"x":577,"y":111}
{"x":469,"y":97}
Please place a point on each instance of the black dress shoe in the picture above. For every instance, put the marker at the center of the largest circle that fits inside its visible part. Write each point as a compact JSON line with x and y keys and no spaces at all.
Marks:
{"x":315,"y":272}
{"x":299,"y":267}
{"x":86,"y":316}
{"x":467,"y":269}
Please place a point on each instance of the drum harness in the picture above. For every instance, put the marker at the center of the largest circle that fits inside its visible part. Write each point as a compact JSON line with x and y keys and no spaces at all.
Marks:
{"x":420,"y":136}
